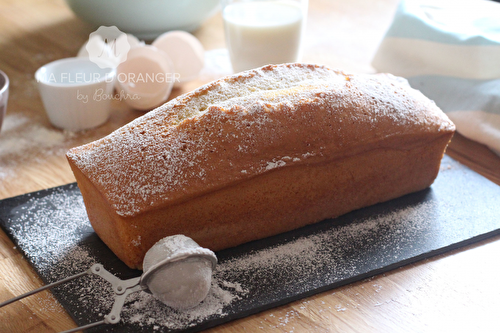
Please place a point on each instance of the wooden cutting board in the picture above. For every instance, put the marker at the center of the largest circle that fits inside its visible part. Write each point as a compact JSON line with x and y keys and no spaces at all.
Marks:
{"x":51,"y":228}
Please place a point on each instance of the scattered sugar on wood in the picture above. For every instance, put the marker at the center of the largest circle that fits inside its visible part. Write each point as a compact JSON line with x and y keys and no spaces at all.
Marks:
{"x":19,"y":135}
{"x":23,"y":141}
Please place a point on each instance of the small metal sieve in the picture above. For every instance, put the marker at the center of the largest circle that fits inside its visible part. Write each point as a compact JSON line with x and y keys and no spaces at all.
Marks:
{"x":176,"y":270}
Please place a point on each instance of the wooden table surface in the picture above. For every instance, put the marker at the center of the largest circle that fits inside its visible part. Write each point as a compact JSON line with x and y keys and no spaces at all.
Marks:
{"x":456,"y":292}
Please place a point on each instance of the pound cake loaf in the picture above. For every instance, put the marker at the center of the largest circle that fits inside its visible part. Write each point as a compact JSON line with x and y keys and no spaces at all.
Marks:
{"x":259,"y":153}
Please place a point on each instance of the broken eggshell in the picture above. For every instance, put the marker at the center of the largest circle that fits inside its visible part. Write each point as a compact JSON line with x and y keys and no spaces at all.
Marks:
{"x":185,"y":51}
{"x":147,"y":74}
{"x":145,"y":80}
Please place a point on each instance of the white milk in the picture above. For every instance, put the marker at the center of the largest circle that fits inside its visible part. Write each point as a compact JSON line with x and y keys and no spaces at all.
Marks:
{"x":260,"y":33}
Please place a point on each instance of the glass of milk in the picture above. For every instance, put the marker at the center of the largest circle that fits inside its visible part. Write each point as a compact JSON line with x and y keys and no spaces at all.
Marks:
{"x":4,"y":95}
{"x":262,"y":32}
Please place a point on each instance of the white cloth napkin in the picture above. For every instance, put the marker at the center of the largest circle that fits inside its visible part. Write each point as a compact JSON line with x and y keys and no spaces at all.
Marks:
{"x":450,"y":51}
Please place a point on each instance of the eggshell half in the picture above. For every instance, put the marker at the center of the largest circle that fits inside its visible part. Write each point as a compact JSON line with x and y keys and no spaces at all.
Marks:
{"x":145,"y":79}
{"x":185,"y":51}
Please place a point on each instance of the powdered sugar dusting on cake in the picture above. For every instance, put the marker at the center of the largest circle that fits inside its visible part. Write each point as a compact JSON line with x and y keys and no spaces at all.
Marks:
{"x":202,"y":141}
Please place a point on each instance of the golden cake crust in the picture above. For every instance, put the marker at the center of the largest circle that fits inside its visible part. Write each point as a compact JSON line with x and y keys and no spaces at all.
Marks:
{"x":202,"y":164}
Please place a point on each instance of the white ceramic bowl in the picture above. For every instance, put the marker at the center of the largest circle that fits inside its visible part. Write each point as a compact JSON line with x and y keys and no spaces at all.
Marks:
{"x":146,"y":19}
{"x":76,"y":92}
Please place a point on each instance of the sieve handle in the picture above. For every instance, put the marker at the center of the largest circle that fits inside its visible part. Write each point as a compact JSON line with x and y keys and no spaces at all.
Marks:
{"x":48,"y":286}
{"x":84,"y":327}
{"x":122,"y":288}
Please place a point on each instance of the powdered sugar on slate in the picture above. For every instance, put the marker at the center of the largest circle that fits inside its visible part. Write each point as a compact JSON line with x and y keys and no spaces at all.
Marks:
{"x":53,"y":229}
{"x":52,"y":241}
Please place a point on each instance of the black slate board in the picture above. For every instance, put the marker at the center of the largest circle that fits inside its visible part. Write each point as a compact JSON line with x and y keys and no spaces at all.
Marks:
{"x":460,"y":208}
